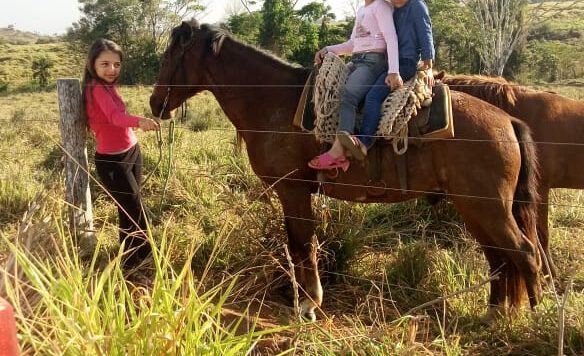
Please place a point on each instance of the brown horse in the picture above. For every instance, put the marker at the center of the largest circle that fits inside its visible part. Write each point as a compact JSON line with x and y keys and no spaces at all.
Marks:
{"x":487,"y":173}
{"x":557,"y":125}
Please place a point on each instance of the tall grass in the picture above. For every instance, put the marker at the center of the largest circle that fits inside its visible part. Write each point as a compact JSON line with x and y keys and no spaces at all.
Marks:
{"x":67,"y":306}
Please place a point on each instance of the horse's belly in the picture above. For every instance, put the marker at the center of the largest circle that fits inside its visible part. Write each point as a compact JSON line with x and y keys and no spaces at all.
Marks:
{"x":377,"y":179}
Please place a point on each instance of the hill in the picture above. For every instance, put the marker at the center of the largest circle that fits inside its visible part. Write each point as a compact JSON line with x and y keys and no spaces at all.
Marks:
{"x":13,"y":36}
{"x":554,"y":50}
{"x":16,"y":62}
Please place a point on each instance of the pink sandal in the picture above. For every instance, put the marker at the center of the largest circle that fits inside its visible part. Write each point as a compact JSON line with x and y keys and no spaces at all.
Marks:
{"x":326,"y":161}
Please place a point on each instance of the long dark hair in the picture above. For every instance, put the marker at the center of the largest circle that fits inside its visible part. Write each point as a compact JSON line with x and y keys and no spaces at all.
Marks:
{"x":89,"y":75}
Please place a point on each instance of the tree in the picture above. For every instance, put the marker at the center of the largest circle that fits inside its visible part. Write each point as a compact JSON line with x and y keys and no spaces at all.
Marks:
{"x":454,"y":35}
{"x":504,"y":24}
{"x":310,"y":34}
{"x":279,"y":29}
{"x":141,"y":27}
{"x":501,"y":27}
{"x":293,"y":34}
{"x":246,"y":26}
{"x":41,"y":70}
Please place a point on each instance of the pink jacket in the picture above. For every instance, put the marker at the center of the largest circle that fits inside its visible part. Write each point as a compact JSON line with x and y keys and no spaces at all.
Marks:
{"x":374,"y":29}
{"x":106,"y":113}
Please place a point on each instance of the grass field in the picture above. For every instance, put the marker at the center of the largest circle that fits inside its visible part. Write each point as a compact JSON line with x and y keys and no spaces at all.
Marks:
{"x":221,"y":237}
{"x":215,"y":283}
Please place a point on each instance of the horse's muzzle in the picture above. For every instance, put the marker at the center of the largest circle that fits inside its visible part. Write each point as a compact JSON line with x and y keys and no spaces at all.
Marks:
{"x":156,"y":106}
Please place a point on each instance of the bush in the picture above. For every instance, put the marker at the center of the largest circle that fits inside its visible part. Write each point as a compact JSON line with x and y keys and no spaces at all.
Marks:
{"x":41,"y":68}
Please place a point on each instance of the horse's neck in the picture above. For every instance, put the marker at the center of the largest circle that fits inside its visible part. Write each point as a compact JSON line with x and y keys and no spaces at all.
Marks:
{"x":254,"y":90}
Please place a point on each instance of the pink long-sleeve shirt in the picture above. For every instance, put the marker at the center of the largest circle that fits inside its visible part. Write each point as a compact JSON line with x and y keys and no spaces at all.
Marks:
{"x":373,"y":30}
{"x":106,"y":113}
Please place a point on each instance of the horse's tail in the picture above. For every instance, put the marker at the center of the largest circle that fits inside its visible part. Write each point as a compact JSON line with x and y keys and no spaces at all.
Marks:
{"x":525,"y":200}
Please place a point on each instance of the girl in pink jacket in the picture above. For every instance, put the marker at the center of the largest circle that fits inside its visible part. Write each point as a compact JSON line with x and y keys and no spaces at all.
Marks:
{"x":118,"y":160}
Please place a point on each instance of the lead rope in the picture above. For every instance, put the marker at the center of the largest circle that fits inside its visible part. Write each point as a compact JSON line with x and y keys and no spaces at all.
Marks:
{"x":170,"y":155}
{"x":325,"y":213}
{"x":158,"y":139}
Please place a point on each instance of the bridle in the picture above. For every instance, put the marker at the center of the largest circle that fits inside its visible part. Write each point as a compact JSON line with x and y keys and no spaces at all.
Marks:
{"x":179,"y":64}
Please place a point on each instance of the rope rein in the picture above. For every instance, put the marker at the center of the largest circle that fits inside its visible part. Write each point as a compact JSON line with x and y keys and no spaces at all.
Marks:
{"x":160,"y":142}
{"x":158,"y":139}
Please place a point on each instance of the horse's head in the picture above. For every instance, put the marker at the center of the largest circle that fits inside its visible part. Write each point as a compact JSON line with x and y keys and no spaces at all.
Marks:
{"x":181,"y":74}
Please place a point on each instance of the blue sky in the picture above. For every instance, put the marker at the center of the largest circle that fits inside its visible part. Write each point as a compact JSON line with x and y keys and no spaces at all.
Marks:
{"x":50,"y":17}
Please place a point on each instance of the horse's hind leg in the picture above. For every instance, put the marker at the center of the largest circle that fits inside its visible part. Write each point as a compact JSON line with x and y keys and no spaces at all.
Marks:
{"x":543,"y":231}
{"x":497,"y":296}
{"x":303,"y":245}
{"x":506,"y":243}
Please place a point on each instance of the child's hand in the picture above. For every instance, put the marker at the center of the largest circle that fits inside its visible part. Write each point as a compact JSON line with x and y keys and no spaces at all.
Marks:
{"x":319,"y":56}
{"x":394,"y":81}
{"x":147,"y":124}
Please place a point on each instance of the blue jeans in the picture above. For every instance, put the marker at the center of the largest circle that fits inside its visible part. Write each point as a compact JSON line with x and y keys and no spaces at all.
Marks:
{"x":366,"y":68}
{"x":374,"y":99}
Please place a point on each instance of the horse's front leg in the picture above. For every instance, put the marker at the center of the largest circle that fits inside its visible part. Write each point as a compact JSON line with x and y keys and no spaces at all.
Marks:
{"x":303,"y":245}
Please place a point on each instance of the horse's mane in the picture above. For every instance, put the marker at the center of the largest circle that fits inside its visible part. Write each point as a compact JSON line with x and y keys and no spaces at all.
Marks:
{"x":495,"y":90}
{"x":214,"y":41}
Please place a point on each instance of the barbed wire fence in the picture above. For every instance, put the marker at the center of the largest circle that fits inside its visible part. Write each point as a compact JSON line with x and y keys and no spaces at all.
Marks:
{"x":69,"y":101}
{"x":73,"y":152}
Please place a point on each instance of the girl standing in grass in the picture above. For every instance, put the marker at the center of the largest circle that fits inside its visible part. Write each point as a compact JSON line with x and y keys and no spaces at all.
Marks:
{"x":118,"y":160}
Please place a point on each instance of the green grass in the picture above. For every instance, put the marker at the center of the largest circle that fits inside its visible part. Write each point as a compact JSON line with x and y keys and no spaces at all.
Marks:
{"x":83,"y":308}
{"x":221,"y":234}
{"x":16,"y":64}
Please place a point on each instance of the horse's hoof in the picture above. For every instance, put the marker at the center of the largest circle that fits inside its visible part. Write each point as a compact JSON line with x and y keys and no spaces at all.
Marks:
{"x":307,"y":310}
{"x":309,"y":316}
{"x":494,"y":313}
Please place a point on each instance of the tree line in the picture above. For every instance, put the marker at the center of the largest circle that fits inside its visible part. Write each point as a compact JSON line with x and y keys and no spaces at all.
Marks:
{"x":471,"y":36}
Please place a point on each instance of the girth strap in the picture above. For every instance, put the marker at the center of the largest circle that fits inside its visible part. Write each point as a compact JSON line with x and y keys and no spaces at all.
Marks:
{"x":299,"y":121}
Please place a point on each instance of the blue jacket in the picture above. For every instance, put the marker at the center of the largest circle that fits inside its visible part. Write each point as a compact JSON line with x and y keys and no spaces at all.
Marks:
{"x":414,"y":32}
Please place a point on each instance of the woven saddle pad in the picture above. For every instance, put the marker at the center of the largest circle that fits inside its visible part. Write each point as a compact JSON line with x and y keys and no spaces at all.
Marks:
{"x":396,"y":111}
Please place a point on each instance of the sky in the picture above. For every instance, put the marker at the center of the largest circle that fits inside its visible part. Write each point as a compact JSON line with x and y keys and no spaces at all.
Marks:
{"x":49,"y":17}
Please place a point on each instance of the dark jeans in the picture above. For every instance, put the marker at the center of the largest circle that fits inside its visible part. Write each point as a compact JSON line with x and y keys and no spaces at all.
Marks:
{"x":121,"y":174}
{"x":375,"y":97}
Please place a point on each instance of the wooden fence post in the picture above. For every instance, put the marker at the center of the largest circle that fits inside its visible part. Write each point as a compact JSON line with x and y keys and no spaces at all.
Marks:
{"x":73,"y":137}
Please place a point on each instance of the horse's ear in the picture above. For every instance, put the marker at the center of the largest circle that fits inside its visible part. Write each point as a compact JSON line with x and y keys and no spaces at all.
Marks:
{"x":186,"y":28}
{"x":192,"y":23}
{"x":440,"y":75}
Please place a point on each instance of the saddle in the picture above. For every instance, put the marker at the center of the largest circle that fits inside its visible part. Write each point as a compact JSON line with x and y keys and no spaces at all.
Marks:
{"x":430,"y":123}
{"x":427,"y":124}
{"x":435,"y":121}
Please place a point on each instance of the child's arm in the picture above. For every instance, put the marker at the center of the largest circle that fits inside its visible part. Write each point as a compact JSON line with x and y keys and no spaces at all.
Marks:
{"x":115,"y":114}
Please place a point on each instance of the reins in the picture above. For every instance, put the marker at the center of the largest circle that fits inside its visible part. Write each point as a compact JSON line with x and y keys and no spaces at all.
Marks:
{"x":158,"y":139}
{"x":171,"y":132}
